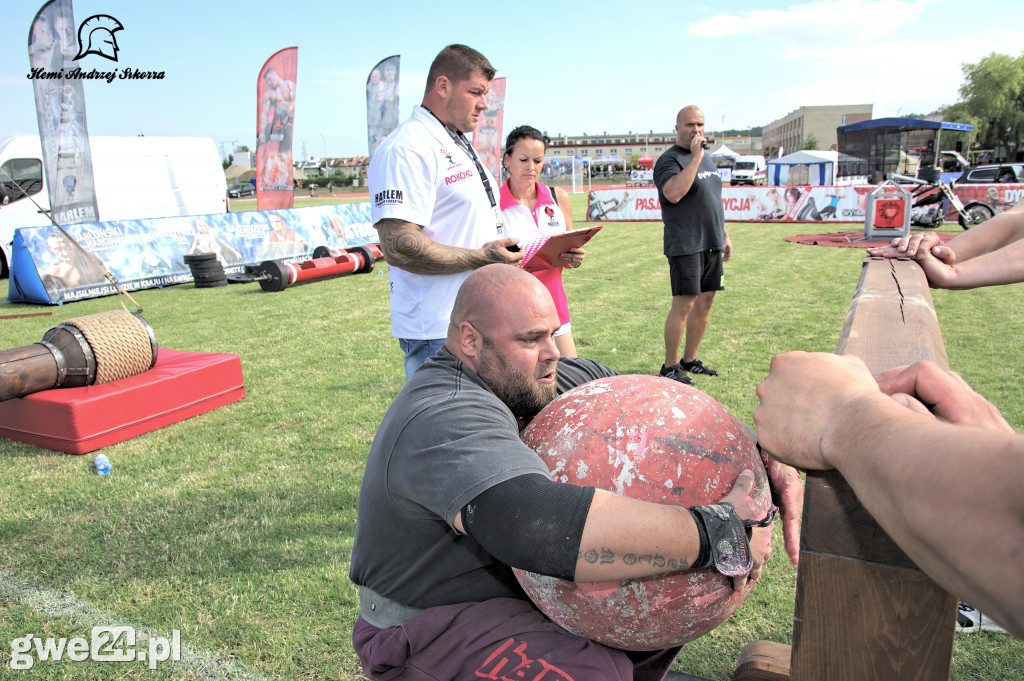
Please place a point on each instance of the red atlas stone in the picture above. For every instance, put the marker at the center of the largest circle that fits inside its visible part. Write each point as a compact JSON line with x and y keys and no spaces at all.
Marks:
{"x":657,"y":440}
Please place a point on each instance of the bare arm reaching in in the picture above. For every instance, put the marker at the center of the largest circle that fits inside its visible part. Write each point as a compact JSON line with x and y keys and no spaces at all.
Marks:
{"x":908,"y":465}
{"x":987,"y":255}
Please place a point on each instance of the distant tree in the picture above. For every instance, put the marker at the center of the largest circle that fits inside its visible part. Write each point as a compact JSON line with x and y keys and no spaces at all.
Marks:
{"x":992,"y":99}
{"x":752,"y":132}
{"x":810,"y":142}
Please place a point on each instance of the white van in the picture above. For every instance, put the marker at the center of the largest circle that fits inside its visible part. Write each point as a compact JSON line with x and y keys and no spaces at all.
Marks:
{"x":135,"y":177}
{"x":749,"y":170}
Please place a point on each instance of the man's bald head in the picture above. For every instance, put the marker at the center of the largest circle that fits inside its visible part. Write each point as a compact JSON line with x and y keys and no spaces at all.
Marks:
{"x":687,"y":111}
{"x":502,"y":327}
{"x":689,"y":125}
{"x":489,"y":293}
{"x":498,"y":300}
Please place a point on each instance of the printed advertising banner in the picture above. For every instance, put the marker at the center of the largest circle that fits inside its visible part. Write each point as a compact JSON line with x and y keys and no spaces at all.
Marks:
{"x":487,"y":139}
{"x":47,"y":268}
{"x":275,"y":124}
{"x":786,"y":204}
{"x":60,"y":109}
{"x":382,"y":101}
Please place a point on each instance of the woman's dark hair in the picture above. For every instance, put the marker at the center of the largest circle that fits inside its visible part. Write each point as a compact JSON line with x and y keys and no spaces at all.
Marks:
{"x":525,"y":132}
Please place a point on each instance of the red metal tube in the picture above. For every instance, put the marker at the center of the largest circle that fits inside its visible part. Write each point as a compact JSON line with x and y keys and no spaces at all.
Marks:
{"x":277,"y":276}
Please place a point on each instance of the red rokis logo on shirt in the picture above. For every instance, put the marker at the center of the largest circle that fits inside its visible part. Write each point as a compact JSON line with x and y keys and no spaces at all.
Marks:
{"x":458,"y":177}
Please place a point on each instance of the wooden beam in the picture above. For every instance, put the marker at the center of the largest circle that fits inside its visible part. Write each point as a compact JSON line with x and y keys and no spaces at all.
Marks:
{"x":763,"y":661}
{"x":864,"y":611}
{"x":892,"y":320}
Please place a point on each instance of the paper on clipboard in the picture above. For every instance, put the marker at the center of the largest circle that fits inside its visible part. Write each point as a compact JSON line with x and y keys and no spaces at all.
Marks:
{"x":542,"y":253}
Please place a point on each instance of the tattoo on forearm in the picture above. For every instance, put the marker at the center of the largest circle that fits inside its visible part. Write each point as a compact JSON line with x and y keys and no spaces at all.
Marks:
{"x":405,"y":246}
{"x":606,"y":556}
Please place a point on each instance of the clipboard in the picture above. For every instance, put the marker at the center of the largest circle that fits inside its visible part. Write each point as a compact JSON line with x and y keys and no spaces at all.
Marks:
{"x":542,"y":254}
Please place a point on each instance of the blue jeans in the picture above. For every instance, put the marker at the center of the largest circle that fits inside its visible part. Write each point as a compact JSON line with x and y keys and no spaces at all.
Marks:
{"x":417,"y":352}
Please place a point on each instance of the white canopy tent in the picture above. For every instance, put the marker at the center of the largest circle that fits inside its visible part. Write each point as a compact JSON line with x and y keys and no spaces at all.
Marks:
{"x":724,"y":152}
{"x":821,"y":166}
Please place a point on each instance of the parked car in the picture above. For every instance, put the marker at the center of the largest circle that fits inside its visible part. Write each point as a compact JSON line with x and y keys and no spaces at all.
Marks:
{"x":242,"y":189}
{"x":994,"y":172}
{"x":977,"y":209}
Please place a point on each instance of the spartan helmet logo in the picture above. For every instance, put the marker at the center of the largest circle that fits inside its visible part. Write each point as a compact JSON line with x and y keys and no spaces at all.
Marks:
{"x":96,"y":36}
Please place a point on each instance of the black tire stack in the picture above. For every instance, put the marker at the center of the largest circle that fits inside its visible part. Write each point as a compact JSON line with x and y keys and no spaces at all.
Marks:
{"x":207,"y":272}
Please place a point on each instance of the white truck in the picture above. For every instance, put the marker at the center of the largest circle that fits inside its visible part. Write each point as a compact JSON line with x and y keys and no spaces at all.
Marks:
{"x":135,"y":178}
{"x":749,"y":170}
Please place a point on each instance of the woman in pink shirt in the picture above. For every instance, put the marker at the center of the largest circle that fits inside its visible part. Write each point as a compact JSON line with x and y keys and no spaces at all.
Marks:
{"x":531,"y":210}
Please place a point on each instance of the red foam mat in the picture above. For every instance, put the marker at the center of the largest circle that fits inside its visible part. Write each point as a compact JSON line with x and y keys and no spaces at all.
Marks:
{"x":82,"y":420}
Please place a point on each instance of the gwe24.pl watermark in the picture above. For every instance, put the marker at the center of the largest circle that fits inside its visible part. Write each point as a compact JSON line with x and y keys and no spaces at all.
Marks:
{"x":106,"y":644}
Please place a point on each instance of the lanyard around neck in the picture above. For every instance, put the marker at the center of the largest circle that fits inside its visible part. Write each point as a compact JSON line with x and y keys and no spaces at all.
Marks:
{"x":464,"y":144}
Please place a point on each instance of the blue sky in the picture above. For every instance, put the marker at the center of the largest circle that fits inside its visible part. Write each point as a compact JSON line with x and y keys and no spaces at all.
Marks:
{"x":572,"y":67}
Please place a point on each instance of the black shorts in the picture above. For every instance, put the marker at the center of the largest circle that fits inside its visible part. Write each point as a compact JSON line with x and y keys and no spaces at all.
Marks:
{"x":696,"y":273}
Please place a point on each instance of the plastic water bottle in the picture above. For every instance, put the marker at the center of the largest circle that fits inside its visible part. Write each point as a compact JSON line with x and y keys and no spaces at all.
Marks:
{"x":103,"y":466}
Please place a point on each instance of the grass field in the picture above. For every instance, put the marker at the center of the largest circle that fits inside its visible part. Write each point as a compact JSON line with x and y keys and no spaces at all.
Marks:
{"x":234,"y":528}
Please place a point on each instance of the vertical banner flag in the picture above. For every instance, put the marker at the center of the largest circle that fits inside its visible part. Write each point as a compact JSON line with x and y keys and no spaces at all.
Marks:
{"x":60,"y":110}
{"x":487,"y":139}
{"x":382,"y":101}
{"x":275,"y":124}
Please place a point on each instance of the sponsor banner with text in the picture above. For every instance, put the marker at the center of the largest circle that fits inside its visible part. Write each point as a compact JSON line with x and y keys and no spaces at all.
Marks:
{"x":47,"y":268}
{"x":53,"y":54}
{"x":785,"y":204}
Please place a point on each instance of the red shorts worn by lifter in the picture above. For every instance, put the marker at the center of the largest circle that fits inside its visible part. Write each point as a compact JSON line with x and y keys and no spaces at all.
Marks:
{"x":503,"y":638}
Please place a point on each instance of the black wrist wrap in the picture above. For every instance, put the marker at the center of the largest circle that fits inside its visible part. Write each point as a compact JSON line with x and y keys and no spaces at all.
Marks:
{"x":723,"y":540}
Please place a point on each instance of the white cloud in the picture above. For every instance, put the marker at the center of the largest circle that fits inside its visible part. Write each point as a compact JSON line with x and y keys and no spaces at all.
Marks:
{"x":821,"y":21}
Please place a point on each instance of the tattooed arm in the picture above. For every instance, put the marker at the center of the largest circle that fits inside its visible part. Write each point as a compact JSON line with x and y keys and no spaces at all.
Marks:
{"x":406,"y":246}
{"x":627,"y":538}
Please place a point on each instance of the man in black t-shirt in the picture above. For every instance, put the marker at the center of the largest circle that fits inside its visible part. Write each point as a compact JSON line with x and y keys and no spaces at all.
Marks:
{"x":696,"y":242}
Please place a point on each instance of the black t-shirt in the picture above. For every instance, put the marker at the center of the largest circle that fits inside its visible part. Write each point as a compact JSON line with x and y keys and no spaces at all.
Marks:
{"x":445,"y":439}
{"x":696,"y":222}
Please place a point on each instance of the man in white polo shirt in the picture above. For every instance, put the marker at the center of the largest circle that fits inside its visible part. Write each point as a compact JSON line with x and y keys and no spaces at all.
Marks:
{"x":434,"y":204}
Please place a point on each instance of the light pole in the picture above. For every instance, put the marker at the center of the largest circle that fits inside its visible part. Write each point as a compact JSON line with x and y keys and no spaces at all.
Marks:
{"x":324,"y":138}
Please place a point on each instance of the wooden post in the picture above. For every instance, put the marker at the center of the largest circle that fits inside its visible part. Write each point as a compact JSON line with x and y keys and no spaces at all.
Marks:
{"x":864,"y":611}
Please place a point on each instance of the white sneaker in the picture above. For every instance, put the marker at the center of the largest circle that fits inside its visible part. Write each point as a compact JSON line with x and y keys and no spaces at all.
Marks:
{"x":969,"y":620}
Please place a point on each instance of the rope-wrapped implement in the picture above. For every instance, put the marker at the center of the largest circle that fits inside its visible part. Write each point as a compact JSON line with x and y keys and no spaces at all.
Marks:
{"x":89,"y":350}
